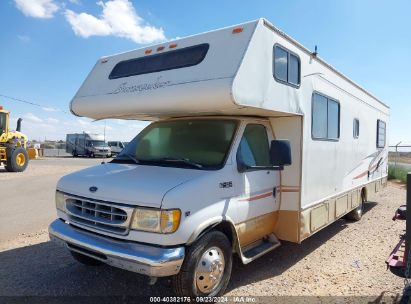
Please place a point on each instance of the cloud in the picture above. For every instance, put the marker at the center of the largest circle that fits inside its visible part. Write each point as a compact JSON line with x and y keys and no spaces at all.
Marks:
{"x":24,"y":38}
{"x":52,"y":120}
{"x":83,"y":122}
{"x":118,"y":18}
{"x":37,"y":8}
{"x":32,"y":118}
{"x":75,"y":2}
{"x":49,"y":109}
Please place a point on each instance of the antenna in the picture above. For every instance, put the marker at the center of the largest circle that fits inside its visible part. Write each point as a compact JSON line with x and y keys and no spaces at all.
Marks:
{"x":315,"y":51}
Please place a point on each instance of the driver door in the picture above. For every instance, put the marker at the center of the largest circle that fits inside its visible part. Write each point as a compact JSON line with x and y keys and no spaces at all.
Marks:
{"x":257,"y":203}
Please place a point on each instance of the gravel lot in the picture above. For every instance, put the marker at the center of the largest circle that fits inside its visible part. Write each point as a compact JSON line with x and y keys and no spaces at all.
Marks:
{"x":27,"y":198}
{"x":344,"y":259}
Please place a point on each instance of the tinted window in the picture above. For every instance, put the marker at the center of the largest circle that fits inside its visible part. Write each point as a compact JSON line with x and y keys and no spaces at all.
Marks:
{"x":325,"y":118}
{"x":175,"y":59}
{"x":281,"y":63}
{"x":202,"y":141}
{"x":293,"y":70}
{"x":254,"y":149}
{"x":381,"y":134}
{"x":333,"y":117}
{"x":2,"y":123}
{"x":286,"y":66}
{"x":356,"y":128}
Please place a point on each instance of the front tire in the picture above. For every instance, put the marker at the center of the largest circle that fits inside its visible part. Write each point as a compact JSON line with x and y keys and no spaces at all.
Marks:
{"x":206,"y":270}
{"x":17,"y":160}
{"x":85,"y":260}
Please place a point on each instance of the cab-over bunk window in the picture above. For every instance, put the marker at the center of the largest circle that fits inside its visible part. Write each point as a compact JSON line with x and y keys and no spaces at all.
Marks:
{"x":287,"y":67}
{"x":325,"y":118}
{"x":176,"y":59}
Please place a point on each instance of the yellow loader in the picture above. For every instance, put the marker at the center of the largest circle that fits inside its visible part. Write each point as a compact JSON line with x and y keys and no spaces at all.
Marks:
{"x":13,"y":153}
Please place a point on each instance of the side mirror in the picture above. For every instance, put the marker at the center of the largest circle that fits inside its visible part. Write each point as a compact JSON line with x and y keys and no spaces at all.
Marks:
{"x":280,"y":153}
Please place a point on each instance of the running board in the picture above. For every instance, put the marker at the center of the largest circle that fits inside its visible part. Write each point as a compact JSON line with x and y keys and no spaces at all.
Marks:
{"x":259,"y":248}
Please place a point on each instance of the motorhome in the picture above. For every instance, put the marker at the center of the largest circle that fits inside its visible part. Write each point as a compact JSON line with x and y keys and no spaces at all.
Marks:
{"x":87,"y":144}
{"x":254,"y":140}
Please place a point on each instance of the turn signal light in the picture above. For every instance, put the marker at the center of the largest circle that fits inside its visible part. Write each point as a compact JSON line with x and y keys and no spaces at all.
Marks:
{"x":172,"y":46}
{"x":148,"y":51}
{"x":237,"y":30}
{"x":160,"y":48}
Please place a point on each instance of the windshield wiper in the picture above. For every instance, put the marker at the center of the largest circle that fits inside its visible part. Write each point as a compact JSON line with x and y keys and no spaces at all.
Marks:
{"x":129,"y":156}
{"x":177,"y":160}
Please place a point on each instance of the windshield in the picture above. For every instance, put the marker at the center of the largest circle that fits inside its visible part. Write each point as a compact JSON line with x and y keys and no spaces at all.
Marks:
{"x":98,"y":143}
{"x":2,"y":123}
{"x":194,"y":143}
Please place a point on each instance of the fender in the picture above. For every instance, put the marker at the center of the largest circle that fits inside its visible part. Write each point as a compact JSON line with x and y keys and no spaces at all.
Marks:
{"x":211,"y":224}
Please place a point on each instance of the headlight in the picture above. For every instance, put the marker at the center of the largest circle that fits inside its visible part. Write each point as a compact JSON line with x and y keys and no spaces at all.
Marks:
{"x":154,"y":220}
{"x":60,"y":201}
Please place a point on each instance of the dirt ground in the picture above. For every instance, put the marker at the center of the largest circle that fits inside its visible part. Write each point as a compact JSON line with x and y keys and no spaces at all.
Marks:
{"x":345,"y":259}
{"x":27,"y":198}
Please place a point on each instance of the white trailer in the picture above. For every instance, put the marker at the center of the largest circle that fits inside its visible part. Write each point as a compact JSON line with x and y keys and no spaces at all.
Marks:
{"x":255,"y":140}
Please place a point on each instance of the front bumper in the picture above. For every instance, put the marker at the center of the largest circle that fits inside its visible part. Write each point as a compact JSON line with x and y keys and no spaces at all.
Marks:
{"x":105,"y":153}
{"x":144,"y":259}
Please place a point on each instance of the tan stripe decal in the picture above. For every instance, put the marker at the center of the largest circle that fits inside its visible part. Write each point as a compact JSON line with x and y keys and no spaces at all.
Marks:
{"x":257,"y":197}
{"x":369,"y":170}
{"x":289,"y":189}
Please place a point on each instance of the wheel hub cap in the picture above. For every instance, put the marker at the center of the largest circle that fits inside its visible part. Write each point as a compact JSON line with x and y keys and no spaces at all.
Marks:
{"x":210,"y":270}
{"x":20,"y":159}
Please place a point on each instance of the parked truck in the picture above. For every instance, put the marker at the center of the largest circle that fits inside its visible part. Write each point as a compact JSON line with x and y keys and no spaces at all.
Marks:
{"x":87,"y":144}
{"x":255,"y":140}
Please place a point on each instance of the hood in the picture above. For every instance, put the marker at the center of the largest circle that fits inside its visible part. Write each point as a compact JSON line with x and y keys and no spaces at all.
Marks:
{"x":127,"y":183}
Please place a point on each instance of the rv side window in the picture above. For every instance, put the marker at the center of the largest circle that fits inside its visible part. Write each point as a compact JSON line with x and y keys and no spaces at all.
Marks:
{"x":380,"y":134}
{"x":286,"y":66}
{"x":356,"y":128}
{"x":253,"y":150}
{"x":325,"y":118}
{"x":169,"y":60}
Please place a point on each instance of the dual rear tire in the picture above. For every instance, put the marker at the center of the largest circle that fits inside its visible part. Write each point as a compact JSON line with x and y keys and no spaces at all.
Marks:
{"x":356,"y":214}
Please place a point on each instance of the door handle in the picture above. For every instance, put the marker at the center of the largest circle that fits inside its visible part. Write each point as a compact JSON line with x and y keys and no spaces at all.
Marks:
{"x":275,"y":192}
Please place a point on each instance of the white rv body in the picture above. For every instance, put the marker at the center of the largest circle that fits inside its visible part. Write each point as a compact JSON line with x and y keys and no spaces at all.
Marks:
{"x":328,"y":177}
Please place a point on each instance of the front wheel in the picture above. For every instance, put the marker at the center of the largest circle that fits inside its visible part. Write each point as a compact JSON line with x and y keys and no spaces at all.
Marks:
{"x":206,"y":270}
{"x":17,"y":160}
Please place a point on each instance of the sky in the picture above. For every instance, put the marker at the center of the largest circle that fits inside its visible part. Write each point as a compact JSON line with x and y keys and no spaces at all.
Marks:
{"x":48,"y":47}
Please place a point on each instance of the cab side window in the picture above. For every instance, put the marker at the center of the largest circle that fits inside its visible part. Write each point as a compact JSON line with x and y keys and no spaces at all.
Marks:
{"x":253,"y":150}
{"x":2,"y":123}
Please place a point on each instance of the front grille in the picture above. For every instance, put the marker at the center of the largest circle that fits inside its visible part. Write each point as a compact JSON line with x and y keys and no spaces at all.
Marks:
{"x":98,"y":215}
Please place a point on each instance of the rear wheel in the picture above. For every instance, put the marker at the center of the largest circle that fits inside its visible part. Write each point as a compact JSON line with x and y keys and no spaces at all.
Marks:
{"x":206,"y":269}
{"x":17,"y":160}
{"x":356,"y":214}
{"x":85,"y":260}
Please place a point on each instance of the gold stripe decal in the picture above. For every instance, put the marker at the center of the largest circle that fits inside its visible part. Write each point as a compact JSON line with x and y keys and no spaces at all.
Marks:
{"x":268,"y":194}
{"x":257,"y":197}
{"x":289,"y":189}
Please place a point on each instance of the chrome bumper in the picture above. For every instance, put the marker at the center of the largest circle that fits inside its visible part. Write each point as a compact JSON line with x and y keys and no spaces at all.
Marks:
{"x":144,"y":259}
